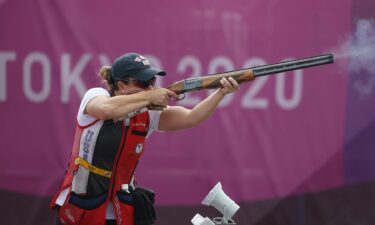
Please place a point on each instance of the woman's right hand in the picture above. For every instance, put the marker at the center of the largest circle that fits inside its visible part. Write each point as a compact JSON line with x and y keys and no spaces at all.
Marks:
{"x":160,"y":96}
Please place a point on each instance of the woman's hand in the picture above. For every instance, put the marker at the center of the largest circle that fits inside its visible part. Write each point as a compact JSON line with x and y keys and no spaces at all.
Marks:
{"x":229,"y":85}
{"x":160,"y":96}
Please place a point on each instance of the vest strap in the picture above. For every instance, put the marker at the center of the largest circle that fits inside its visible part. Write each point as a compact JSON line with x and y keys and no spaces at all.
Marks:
{"x":93,"y":169}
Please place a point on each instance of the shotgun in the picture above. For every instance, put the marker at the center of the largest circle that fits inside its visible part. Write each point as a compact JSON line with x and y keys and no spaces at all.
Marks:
{"x":245,"y":75}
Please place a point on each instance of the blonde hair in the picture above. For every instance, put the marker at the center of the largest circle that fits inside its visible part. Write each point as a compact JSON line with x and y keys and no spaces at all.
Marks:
{"x":105,"y":74}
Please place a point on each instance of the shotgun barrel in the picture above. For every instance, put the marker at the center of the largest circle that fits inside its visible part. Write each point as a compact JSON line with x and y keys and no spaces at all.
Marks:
{"x":292,"y":65}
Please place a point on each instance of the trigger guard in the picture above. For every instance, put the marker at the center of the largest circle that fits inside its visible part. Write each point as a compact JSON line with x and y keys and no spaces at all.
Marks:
{"x":180,"y":97}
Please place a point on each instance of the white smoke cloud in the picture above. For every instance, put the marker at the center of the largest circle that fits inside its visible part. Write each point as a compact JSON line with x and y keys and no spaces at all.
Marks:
{"x":359,"y":51}
{"x":359,"y":48}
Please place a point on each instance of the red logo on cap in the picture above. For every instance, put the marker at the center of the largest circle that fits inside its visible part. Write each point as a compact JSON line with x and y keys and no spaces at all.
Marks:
{"x":142,"y":59}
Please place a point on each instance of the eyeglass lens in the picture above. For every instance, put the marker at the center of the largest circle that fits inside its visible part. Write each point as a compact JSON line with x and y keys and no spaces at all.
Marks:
{"x":141,"y":84}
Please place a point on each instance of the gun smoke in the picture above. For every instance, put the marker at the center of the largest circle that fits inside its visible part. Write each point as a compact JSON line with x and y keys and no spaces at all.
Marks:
{"x":359,"y":48}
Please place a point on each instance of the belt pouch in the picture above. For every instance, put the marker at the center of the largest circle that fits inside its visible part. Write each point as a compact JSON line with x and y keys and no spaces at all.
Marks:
{"x":144,"y":212}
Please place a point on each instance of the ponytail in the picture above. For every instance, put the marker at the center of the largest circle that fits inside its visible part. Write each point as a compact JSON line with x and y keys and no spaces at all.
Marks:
{"x":105,"y":74}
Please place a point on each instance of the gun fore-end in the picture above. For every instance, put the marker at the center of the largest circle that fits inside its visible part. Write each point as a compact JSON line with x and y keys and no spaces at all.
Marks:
{"x":240,"y":76}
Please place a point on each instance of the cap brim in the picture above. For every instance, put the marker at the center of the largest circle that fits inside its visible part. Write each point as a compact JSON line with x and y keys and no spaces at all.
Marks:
{"x":148,"y":74}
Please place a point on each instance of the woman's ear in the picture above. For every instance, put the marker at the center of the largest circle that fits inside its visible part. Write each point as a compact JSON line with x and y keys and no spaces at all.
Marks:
{"x":124,"y":88}
{"x":121,"y":85}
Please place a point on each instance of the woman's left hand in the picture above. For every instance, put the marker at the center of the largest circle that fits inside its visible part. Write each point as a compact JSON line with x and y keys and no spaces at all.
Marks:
{"x":229,"y":85}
